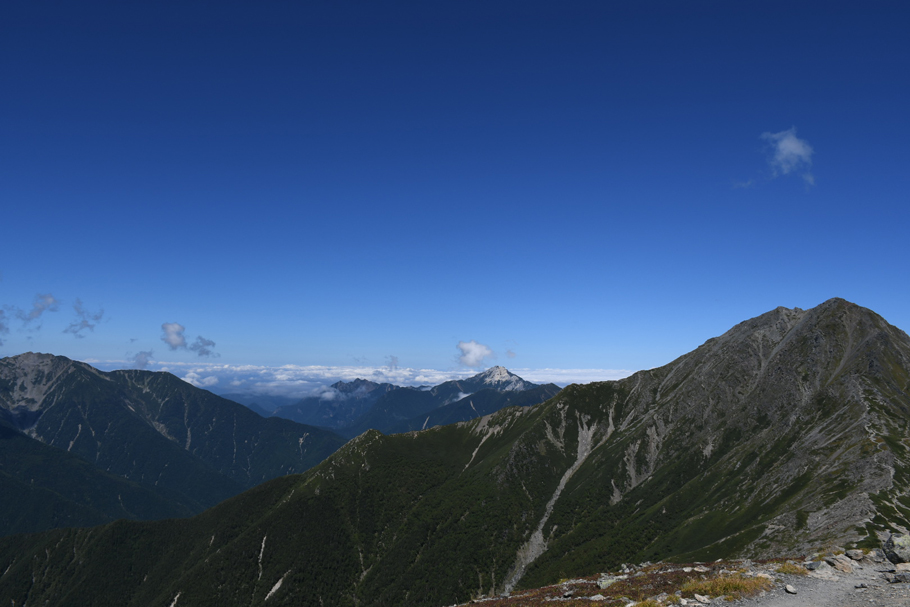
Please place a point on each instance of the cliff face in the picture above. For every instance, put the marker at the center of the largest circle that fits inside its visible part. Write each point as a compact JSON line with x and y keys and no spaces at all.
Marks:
{"x":785,"y":433}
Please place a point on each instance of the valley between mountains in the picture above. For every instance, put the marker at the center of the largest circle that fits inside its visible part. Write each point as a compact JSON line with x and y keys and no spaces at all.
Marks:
{"x":784,"y":435}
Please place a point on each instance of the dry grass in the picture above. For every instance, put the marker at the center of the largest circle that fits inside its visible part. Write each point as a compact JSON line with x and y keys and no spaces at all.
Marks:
{"x":792,"y":569}
{"x":734,"y":586}
{"x":648,"y":603}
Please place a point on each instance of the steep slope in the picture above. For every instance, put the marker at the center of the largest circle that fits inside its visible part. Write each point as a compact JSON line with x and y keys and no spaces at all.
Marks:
{"x":477,"y":404}
{"x":44,"y":487}
{"x":154,"y":429}
{"x":787,"y":432}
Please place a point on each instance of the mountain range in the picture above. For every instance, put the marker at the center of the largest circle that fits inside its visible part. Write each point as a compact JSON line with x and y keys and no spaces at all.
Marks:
{"x":785,"y":434}
{"x":145,"y":445}
{"x":351,"y":408}
{"x":82,"y":447}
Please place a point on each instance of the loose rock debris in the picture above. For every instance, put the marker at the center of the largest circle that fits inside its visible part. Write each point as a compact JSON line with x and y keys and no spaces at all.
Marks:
{"x":841,"y":579}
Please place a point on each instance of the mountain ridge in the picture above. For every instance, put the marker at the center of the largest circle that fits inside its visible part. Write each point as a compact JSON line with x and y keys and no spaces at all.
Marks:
{"x":785,"y":432}
{"x":186,"y":444}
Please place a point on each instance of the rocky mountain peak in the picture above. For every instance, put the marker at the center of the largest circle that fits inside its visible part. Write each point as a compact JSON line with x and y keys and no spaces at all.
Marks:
{"x":501,"y":379}
{"x":28,"y":377}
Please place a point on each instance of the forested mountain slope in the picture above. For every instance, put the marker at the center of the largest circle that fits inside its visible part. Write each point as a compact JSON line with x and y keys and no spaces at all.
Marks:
{"x":787,"y":432}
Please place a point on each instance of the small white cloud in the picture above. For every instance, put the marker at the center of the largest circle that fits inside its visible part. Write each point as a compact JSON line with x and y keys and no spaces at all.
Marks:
{"x":744,"y":185}
{"x":199,"y":381}
{"x":473,"y":353}
{"x":141,"y":360}
{"x":173,"y":335}
{"x":203,"y":347}
{"x":328,"y":393}
{"x":84,"y":320}
{"x":393,"y":362}
{"x":510,"y":354}
{"x":44,"y":302}
{"x":790,"y":154}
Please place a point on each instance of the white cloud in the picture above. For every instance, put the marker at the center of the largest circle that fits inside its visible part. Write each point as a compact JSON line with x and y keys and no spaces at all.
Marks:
{"x":173,"y":335}
{"x":199,"y":381}
{"x":141,"y":360}
{"x":44,"y":302}
{"x":473,"y":353}
{"x":329,"y":393}
{"x":299,"y":381}
{"x":84,"y":320}
{"x":790,"y":154}
{"x":203,"y":347}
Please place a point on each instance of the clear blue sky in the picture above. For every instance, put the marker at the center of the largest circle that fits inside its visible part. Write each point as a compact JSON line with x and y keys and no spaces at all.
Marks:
{"x":583,"y":185}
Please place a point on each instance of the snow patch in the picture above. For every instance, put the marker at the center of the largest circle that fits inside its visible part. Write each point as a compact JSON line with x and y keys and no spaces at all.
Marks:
{"x":174,"y":602}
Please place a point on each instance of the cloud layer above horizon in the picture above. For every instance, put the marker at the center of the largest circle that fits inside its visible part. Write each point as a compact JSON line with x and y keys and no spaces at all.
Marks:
{"x":301,"y":381}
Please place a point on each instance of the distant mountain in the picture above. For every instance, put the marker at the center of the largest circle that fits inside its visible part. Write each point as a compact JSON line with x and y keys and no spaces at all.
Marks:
{"x":405,"y":409}
{"x":337,"y":407}
{"x":193,"y":448}
{"x":477,"y":404}
{"x":786,"y":434}
{"x":351,"y":408}
{"x":263,"y":404}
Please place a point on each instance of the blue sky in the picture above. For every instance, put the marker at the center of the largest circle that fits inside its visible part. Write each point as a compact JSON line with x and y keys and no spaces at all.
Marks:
{"x":335,"y":188}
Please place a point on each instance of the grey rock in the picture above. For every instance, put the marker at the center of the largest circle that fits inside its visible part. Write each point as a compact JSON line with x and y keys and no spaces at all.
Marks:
{"x":790,"y":589}
{"x":840,"y":562}
{"x":897,"y":548}
{"x":900,"y":578}
{"x":607,"y":580}
{"x":855,"y":555}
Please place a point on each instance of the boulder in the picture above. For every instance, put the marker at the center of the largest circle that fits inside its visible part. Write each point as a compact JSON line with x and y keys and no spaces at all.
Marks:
{"x":840,"y":562}
{"x":897,"y":548}
{"x":855,"y":555}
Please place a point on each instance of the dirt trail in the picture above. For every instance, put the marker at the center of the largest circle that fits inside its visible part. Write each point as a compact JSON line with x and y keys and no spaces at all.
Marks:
{"x":838,"y":592}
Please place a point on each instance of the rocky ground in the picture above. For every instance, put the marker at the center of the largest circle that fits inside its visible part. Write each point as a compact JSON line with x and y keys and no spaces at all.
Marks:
{"x":853,"y":579}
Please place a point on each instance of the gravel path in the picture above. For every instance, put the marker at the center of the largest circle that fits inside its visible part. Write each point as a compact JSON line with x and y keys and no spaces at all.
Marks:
{"x":838,"y":592}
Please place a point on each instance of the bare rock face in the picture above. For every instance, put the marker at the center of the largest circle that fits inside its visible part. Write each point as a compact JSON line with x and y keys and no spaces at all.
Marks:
{"x":897,"y":548}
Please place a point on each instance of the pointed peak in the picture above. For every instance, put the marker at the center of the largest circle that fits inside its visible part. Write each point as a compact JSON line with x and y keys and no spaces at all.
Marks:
{"x":496,"y":373}
{"x":500,"y":378}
